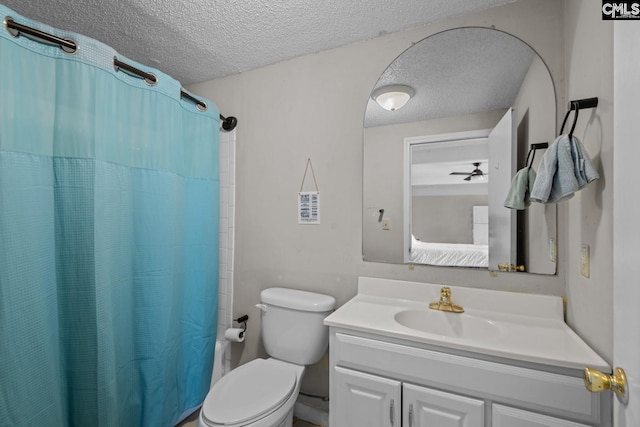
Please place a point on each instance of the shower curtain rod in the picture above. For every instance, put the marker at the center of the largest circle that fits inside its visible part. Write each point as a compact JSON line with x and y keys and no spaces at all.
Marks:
{"x":228,"y":123}
{"x":15,"y":29}
{"x":70,"y":46}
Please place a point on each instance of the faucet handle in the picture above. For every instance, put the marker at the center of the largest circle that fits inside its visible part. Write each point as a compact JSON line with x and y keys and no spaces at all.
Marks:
{"x":445,"y":304}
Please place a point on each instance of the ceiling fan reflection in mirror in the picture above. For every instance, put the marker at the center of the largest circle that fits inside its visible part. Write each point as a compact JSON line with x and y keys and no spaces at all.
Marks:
{"x":476,"y":172}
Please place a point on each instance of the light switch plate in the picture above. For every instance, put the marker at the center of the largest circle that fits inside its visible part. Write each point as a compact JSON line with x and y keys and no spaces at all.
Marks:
{"x":585,"y":262}
{"x":386,"y":224}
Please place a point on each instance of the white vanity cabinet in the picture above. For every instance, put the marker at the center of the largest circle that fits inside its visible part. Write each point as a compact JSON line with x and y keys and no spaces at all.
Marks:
{"x":504,"y":416}
{"x":424,"y":407}
{"x":367,"y":400}
{"x":508,"y":360}
{"x":378,"y":381}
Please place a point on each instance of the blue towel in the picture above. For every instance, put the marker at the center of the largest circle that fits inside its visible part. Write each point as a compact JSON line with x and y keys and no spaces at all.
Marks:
{"x":584,"y":170}
{"x":519,"y":192}
{"x":565,"y":169}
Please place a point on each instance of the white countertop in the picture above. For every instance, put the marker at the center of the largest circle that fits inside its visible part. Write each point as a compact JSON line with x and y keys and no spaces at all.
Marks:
{"x":511,"y":325}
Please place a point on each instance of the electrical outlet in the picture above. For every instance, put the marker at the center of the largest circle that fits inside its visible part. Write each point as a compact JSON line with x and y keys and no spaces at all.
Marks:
{"x":585,"y":261}
{"x":386,"y":224}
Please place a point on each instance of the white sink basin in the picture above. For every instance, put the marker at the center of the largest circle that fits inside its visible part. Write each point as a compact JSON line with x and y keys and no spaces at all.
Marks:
{"x":449,"y":325}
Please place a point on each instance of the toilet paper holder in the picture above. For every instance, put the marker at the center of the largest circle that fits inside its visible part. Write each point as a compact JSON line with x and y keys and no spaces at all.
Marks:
{"x":243,"y":320}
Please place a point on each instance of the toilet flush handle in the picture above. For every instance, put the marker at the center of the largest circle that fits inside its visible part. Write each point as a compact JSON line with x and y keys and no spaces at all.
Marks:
{"x":262,"y":307}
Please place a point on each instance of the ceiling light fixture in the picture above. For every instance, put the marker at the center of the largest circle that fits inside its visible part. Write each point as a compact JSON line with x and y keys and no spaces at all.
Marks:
{"x":392,"y":97}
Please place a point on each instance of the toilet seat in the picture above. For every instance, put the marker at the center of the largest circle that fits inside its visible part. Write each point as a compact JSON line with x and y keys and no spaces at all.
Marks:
{"x":249,"y":392}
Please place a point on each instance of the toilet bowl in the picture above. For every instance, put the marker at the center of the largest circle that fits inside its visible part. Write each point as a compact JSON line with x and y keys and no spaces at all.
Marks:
{"x":263,"y":392}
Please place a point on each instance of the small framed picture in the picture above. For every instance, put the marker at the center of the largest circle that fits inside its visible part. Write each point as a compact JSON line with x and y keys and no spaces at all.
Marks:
{"x":309,"y":207}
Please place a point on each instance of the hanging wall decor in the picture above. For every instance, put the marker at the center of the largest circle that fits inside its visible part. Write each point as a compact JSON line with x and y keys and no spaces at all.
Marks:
{"x":309,"y":201}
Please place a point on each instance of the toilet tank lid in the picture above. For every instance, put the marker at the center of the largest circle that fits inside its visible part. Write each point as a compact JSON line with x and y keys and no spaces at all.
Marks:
{"x":297,"y":300}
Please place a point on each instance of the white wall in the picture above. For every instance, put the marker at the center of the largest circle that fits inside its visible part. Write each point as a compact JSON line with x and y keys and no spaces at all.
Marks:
{"x":227,"y":216}
{"x":455,"y":218}
{"x":588,"y":217}
{"x":313,"y":107}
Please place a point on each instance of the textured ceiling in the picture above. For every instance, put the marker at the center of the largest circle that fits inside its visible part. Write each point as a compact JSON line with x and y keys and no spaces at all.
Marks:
{"x":453,"y":73}
{"x":195,"y":41}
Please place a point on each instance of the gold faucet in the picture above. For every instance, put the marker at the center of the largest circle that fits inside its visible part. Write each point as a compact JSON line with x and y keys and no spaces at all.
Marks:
{"x":445,"y":303}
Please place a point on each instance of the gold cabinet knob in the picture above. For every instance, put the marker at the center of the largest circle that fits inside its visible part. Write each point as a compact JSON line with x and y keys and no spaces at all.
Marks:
{"x":596,"y":381}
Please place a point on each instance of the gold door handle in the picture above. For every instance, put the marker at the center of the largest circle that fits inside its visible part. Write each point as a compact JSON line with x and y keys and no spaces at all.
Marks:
{"x":596,"y":381}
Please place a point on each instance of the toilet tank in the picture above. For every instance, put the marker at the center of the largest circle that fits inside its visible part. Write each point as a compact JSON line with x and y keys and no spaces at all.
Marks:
{"x":292,"y":324}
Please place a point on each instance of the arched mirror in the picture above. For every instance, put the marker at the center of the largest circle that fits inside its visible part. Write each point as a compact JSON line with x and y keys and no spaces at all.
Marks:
{"x":438,"y":169}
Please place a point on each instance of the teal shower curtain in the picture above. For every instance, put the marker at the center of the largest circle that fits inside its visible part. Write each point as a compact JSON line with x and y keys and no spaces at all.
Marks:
{"x":108,"y":239}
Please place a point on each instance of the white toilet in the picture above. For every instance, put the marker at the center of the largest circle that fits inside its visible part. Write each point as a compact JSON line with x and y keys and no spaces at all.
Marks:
{"x":263,"y":392}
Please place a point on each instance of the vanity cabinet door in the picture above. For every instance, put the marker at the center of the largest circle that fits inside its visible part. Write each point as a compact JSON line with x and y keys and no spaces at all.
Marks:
{"x":425,"y":407}
{"x":505,"y":416}
{"x":364,"y":400}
